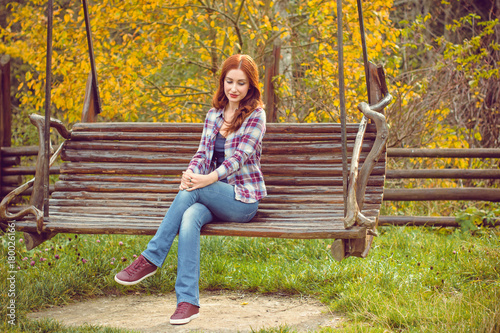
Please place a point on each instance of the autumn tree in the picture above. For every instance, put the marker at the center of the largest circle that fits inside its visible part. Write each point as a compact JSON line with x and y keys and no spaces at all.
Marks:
{"x":448,"y":86}
{"x":447,"y":91}
{"x":157,"y":61}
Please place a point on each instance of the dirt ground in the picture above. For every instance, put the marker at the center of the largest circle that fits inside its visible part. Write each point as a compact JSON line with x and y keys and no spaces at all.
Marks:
{"x":220,"y":312}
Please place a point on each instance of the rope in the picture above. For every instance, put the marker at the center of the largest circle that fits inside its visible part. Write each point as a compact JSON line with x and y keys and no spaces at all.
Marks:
{"x":365,"y":53}
{"x":48,"y":91}
{"x":343,"y":135}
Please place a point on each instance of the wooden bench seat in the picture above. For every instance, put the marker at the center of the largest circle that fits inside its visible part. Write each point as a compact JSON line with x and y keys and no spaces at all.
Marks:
{"x":120,"y":178}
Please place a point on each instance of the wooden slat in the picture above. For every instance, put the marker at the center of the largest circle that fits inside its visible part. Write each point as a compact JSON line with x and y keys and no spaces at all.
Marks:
{"x":375,"y":180}
{"x":120,"y":179}
{"x":299,"y":155}
{"x":123,"y":169}
{"x":137,"y":127}
{"x":270,"y":180}
{"x":325,"y":170}
{"x":182,"y":137}
{"x":145,"y":146}
{"x":136,"y":216}
{"x":189,"y":148}
{"x":298,"y":219}
{"x":136,"y":156}
{"x":197,"y":127}
{"x":127,"y":187}
{"x":374,"y":196}
{"x":101,"y":225}
{"x":262,"y":214}
{"x":165,"y":204}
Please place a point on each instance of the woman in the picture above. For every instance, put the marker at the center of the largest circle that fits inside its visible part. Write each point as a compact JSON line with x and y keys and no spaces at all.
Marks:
{"x":223,"y":181}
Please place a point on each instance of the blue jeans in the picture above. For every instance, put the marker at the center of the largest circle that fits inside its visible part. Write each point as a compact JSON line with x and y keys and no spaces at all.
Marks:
{"x":188,"y":213}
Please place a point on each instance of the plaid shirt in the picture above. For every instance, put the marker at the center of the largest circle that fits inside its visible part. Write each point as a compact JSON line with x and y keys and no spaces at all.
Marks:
{"x":243,"y":148}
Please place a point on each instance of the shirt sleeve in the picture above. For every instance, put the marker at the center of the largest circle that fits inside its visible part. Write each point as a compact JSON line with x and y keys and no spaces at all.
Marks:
{"x":248,"y":141}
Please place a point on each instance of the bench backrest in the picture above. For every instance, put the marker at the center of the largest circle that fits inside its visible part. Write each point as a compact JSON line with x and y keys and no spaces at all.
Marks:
{"x":302,"y":163}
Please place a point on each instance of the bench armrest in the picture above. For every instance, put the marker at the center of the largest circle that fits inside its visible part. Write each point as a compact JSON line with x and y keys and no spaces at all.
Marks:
{"x":36,"y":201}
{"x":358,"y":180}
{"x":378,"y":148}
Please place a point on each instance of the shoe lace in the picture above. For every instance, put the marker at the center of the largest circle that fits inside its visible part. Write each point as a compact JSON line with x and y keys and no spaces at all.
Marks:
{"x":137,"y":265}
{"x":181,"y":308}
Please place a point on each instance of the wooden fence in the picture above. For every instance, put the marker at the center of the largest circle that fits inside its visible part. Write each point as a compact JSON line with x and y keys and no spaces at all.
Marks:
{"x":432,"y":194}
{"x":13,"y":172}
{"x":436,"y":194}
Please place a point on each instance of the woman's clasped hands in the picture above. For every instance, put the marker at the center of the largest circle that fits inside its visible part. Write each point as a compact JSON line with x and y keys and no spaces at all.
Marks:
{"x":192,"y":181}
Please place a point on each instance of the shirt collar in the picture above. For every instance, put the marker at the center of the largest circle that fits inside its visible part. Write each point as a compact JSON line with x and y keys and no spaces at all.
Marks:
{"x":220,"y":113}
{"x":219,"y":118}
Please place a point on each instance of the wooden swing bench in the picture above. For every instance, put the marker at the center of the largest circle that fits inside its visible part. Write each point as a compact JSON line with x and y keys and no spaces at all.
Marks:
{"x":120,"y":178}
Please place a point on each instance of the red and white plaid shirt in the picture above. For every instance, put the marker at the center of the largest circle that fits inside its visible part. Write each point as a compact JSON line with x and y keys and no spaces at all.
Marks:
{"x":242,"y":151}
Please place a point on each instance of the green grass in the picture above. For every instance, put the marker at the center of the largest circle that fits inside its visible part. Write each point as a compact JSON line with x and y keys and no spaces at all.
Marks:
{"x":414,"y":279}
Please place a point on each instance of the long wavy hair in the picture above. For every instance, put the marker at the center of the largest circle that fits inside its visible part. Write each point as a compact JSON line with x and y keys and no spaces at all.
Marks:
{"x":253,"y":98}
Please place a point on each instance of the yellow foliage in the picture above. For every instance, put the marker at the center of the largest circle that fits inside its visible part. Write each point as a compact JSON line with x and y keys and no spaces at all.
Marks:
{"x":157,"y":60}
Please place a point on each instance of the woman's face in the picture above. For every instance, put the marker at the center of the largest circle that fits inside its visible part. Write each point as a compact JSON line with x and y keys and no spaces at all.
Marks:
{"x":236,"y":86}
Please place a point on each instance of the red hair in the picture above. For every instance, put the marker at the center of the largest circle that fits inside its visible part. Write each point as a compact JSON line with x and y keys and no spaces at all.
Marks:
{"x":253,"y":98}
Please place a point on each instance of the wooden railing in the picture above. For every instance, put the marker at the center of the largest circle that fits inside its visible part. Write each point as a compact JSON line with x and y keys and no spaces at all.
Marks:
{"x":434,"y":194}
{"x":12,"y":171}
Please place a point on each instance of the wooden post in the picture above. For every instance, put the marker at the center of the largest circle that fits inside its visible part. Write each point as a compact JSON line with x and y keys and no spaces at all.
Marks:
{"x":378,"y":85}
{"x":93,"y":91}
{"x":5,"y":108}
{"x":270,"y":98}
{"x":89,"y":112}
{"x":378,"y":90}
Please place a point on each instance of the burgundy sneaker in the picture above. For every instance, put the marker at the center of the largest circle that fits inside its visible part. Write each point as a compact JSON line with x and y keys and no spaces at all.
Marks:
{"x":184,"y":313}
{"x":136,"y":272}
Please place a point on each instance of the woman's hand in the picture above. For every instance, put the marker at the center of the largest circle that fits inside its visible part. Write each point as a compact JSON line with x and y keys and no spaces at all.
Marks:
{"x":186,"y":180}
{"x":192,"y":181}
